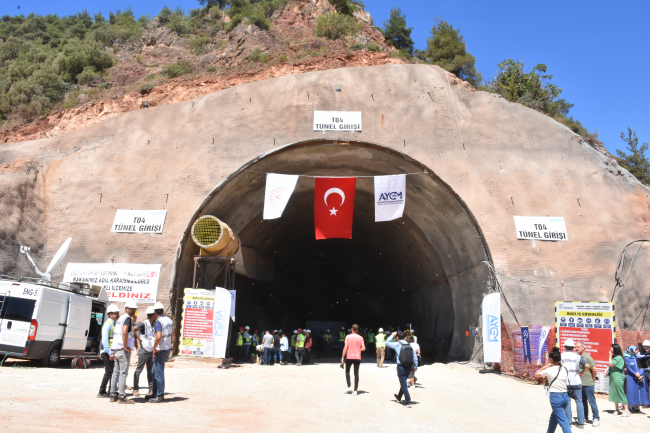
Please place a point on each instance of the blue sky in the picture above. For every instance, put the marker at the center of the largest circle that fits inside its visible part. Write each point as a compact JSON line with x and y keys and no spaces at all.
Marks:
{"x":598,"y":51}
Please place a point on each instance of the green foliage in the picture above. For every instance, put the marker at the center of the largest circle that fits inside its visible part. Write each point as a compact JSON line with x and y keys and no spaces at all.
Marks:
{"x":401,"y":54}
{"x":283,"y":58}
{"x":396,"y":32}
{"x":358,"y":3}
{"x":219,"y":4}
{"x":211,"y":69}
{"x":373,"y":47}
{"x":258,"y":56}
{"x":197,"y":45}
{"x":88,"y":74}
{"x":343,"y":6}
{"x":253,"y":13}
{"x":357,"y":47}
{"x":635,"y":162}
{"x":150,"y":77}
{"x":146,"y":88}
{"x":336,"y":26}
{"x":446,"y":48}
{"x":177,"y":69}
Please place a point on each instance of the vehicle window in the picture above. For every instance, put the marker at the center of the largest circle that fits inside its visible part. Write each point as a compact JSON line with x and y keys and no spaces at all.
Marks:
{"x":18,"y":309}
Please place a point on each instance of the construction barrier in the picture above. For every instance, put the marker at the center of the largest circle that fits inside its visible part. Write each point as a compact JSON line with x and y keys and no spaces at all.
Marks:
{"x":630,"y":338}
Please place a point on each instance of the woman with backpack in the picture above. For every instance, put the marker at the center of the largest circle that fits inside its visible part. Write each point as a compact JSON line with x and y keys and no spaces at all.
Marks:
{"x":556,"y":378}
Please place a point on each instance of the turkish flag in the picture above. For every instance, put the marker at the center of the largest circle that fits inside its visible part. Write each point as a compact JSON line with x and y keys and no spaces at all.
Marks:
{"x":334,"y":207}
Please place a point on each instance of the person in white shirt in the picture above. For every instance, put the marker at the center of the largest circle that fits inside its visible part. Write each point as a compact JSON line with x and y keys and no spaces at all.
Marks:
{"x":572,"y":361}
{"x":556,"y":377}
{"x":416,"y":350}
{"x":284,"y":348}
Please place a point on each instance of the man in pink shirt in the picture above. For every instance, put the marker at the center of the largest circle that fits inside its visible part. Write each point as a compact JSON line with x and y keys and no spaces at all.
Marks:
{"x":354,"y":345}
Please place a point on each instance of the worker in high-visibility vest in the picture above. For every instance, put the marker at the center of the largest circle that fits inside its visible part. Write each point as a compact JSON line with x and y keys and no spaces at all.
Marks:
{"x":247,"y":343}
{"x":342,"y":339}
{"x":108,"y":330}
{"x":293,"y":345}
{"x":413,"y":335}
{"x":239,"y":344}
{"x":371,"y":341}
{"x":327,"y":340}
{"x":380,"y":338}
{"x":300,"y":347}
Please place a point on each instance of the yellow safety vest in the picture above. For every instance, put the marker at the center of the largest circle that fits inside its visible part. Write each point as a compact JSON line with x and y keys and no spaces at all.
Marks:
{"x":293,"y":340}
{"x":371,"y":337}
{"x":111,"y":332}
{"x":341,"y":337}
{"x":381,"y":340}
{"x":300,"y":341}
{"x":328,"y":337}
{"x":240,"y":339}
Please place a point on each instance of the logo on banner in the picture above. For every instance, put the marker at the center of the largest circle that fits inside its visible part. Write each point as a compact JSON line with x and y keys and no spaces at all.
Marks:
{"x":525,"y":337}
{"x":277,"y":195}
{"x":493,"y":328}
{"x":334,"y":191}
{"x":392,"y":197}
{"x":218,"y":323}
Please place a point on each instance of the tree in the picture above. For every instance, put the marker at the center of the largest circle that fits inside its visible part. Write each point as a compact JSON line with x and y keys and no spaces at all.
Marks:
{"x":221,"y":4}
{"x":396,"y":32}
{"x":635,"y":162}
{"x":446,"y":48}
{"x":343,"y":6}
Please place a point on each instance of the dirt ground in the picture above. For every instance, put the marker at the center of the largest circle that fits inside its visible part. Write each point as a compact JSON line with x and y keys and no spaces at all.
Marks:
{"x":448,"y":397}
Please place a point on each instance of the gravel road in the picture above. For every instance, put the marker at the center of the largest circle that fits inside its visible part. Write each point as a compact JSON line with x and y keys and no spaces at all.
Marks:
{"x":449,"y":397}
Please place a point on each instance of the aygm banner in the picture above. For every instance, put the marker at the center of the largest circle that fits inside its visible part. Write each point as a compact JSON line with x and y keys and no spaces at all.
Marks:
{"x":122,"y":281}
{"x":542,"y":339}
{"x":492,"y":327}
{"x":541,"y":228}
{"x":390,"y":197}
{"x":196,"y":326}
{"x":220,"y":322}
{"x":233,"y":297}
{"x":337,"y":121}
{"x":139,"y":221}
{"x":591,"y":323}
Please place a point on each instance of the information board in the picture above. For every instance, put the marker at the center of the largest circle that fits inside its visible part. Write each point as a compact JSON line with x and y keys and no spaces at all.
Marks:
{"x":139,"y":221}
{"x":541,"y":228}
{"x":591,"y":323}
{"x":337,"y":121}
{"x":196,"y":327}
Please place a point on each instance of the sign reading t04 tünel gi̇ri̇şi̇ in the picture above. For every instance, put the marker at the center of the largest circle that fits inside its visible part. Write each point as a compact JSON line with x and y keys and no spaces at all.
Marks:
{"x":337,"y":121}
{"x":139,"y":221}
{"x":541,"y":228}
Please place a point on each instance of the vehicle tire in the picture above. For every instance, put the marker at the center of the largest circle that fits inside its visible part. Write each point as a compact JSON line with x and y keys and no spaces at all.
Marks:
{"x":53,"y":357}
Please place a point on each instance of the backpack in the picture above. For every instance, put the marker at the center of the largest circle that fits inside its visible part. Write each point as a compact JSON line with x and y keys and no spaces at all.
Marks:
{"x":406,"y":355}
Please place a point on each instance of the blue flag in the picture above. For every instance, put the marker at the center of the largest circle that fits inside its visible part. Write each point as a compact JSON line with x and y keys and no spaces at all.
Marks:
{"x":525,"y":337}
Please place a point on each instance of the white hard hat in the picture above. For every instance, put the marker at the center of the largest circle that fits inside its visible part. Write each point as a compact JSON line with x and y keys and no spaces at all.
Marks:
{"x":569,"y":343}
{"x":348,"y":330}
{"x":645,"y":343}
{"x":328,"y":330}
{"x":279,"y":330}
{"x":247,"y":327}
{"x":150,"y":310}
{"x":308,"y":330}
{"x":295,"y":332}
{"x":381,"y":330}
{"x":131,"y":304}
{"x":343,"y":328}
{"x":158,"y":306}
{"x":412,"y":330}
{"x":115,"y":309}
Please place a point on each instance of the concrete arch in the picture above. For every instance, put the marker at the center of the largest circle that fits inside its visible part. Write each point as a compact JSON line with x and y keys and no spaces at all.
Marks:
{"x":433,"y":254}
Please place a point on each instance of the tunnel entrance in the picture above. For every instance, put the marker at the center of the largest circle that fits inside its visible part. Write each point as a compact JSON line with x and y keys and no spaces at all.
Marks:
{"x":423,"y":269}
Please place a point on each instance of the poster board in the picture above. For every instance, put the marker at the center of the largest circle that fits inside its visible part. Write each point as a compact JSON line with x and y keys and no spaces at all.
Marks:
{"x":592,"y":323}
{"x":541,"y":228}
{"x":196,"y":325}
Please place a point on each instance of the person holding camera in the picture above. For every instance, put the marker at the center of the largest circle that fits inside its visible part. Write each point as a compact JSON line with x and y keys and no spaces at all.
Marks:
{"x":556,"y":389}
{"x":573,"y":363}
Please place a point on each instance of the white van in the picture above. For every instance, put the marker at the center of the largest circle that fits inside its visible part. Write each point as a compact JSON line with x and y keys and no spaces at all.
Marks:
{"x":49,"y":322}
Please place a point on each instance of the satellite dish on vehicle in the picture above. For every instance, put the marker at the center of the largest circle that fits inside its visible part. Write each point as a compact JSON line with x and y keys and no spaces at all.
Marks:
{"x":58,"y":258}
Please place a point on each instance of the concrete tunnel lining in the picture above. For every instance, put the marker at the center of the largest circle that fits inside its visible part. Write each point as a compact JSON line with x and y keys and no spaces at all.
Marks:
{"x":425,"y":267}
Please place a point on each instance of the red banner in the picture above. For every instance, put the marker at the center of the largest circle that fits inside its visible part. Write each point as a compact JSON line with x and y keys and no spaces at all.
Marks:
{"x":334,"y":207}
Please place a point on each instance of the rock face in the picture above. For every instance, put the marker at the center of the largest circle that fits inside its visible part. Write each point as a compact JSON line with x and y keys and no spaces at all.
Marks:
{"x":187,"y":158}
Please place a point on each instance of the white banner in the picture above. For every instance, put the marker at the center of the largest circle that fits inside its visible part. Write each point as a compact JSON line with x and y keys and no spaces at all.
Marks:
{"x":541,"y":228}
{"x":542,"y":340}
{"x":279,"y":188}
{"x":220,"y":322}
{"x":337,"y":121}
{"x":390,"y":197}
{"x":139,"y":221}
{"x":233,"y":297}
{"x":492,"y":328}
{"x":122,"y":281}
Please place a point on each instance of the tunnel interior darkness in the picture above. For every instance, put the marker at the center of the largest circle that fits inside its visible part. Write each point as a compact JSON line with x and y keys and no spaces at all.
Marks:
{"x":422,"y":269}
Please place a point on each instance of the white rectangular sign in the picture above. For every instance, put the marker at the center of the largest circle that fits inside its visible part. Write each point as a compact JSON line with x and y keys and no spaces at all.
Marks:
{"x":492,"y":327}
{"x":541,"y":228}
{"x":390,"y":197}
{"x":139,"y":221}
{"x":122,"y":281}
{"x":337,"y":120}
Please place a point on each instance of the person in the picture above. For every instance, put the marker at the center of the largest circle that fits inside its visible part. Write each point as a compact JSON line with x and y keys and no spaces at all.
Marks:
{"x":403,"y":369}
{"x":247,"y":343}
{"x":556,"y":377}
{"x":352,"y":349}
{"x":380,"y":339}
{"x":416,"y":350}
{"x":108,"y":330}
{"x":255,"y":339}
{"x":267,"y":342}
{"x":413,"y":335}
{"x":239,"y":345}
{"x":300,"y":347}
{"x":309,"y":342}
{"x":342,"y":338}
{"x":277,"y":356}
{"x":122,"y":345}
{"x":146,"y":335}
{"x":588,"y":375}
{"x":327,"y":343}
{"x":572,"y":361}
{"x":636,"y":387}
{"x":371,"y":341}
{"x":284,"y":348}
{"x":293,"y":345}
{"x":617,"y":379}
{"x":164,"y":327}
{"x":644,"y":359}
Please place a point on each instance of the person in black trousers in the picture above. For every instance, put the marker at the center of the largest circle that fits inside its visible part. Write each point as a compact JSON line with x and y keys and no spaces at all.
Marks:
{"x":107,"y":356}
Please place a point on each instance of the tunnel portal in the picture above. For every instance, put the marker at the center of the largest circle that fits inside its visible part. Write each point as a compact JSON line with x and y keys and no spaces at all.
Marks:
{"x":422,"y":269}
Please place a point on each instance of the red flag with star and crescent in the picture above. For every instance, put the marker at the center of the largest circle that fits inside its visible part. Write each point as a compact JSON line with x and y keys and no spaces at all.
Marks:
{"x":334,"y":207}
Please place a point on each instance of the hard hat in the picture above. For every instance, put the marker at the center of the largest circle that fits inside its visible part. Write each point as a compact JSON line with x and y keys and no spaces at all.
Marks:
{"x":343,"y":328}
{"x":131,"y":304}
{"x":295,"y":332}
{"x":255,"y":330}
{"x":569,"y":343}
{"x":241,"y":329}
{"x":299,"y":329}
{"x":279,"y":330}
{"x":328,"y":330}
{"x":150,"y":310}
{"x":115,"y":309}
{"x":412,"y":330}
{"x":158,"y":306}
{"x":381,"y":330}
{"x":348,"y":330}
{"x":408,"y":330}
{"x":645,"y":343}
{"x":247,"y":327}
{"x":308,"y":330}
